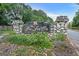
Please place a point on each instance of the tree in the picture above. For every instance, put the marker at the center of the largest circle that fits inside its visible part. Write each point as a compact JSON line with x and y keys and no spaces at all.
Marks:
{"x":75,"y":22}
{"x":41,"y":16}
{"x":27,"y":13}
{"x":50,"y":20}
{"x":3,"y":19}
{"x":10,"y":12}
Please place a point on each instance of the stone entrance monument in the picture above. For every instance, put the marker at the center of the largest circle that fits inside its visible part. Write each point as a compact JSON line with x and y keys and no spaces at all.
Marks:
{"x":61,"y":23}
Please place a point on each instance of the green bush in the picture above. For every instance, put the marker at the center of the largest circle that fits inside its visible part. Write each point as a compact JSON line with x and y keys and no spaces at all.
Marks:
{"x":59,"y":36}
{"x":39,"y":40}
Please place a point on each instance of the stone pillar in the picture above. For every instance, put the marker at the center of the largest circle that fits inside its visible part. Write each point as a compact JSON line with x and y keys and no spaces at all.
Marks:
{"x":17,"y":26}
{"x":61,"y":23}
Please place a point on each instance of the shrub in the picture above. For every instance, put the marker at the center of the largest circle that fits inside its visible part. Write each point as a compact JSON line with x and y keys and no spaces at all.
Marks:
{"x":39,"y":40}
{"x":59,"y":36}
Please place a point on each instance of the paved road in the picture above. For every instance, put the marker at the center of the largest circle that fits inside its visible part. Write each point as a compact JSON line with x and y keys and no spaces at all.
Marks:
{"x":74,"y":35}
{"x":74,"y":38}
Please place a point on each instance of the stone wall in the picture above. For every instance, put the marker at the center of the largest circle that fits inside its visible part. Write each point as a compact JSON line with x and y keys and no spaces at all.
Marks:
{"x":36,"y":27}
{"x":6,"y":28}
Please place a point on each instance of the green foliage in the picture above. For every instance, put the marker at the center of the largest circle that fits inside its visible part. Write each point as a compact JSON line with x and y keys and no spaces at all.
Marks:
{"x":8,"y":13}
{"x":20,"y":52}
{"x":41,"y":16}
{"x":75,"y":22}
{"x":21,"y":12}
{"x":2,"y":19}
{"x":27,"y":13}
{"x":59,"y":36}
{"x":69,"y":25}
{"x":39,"y":40}
{"x":50,"y":20}
{"x":8,"y":32}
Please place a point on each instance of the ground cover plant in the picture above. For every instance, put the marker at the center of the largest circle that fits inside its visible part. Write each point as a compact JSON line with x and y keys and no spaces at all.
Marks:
{"x":39,"y":39}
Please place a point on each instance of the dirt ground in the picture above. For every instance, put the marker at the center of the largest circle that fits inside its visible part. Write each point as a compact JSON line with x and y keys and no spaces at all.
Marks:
{"x":64,"y":49}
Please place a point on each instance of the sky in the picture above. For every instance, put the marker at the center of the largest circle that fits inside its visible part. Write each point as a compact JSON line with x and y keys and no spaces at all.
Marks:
{"x":56,"y":9}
